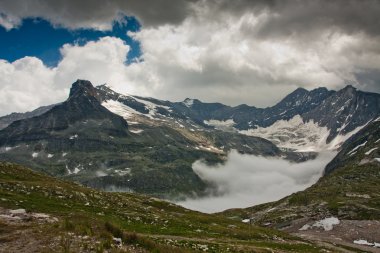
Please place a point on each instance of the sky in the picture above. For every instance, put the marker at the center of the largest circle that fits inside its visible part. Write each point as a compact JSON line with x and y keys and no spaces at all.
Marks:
{"x":234,"y":52}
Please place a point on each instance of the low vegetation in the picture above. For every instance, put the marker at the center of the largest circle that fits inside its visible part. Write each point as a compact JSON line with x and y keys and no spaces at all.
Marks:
{"x":88,"y":220}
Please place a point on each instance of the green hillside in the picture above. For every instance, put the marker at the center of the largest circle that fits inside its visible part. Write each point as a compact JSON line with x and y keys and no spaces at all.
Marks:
{"x":86,"y":220}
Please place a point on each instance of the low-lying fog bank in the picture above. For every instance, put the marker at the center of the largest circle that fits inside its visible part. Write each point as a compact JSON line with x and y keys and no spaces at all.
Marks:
{"x":246,"y":180}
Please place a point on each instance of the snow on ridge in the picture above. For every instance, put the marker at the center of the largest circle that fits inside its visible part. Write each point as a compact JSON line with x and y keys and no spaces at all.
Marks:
{"x":152,"y":107}
{"x":128,"y":112}
{"x":188,"y":102}
{"x":370,"y":151}
{"x":356,"y":148}
{"x":136,"y":131}
{"x":120,"y":109}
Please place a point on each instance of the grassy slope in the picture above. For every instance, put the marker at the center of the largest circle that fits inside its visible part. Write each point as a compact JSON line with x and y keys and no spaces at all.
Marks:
{"x":81,"y":210}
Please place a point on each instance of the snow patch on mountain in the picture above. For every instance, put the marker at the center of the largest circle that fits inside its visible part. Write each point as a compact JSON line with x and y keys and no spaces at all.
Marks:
{"x":152,"y":107}
{"x":356,"y":148}
{"x":128,"y":112}
{"x":298,"y":135}
{"x":136,"y":131}
{"x":188,"y":102}
{"x":221,"y":124}
{"x":120,"y":109}
{"x":293,"y":134}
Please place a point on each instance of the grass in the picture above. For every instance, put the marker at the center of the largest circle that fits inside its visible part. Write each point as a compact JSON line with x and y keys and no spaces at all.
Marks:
{"x":139,"y":220}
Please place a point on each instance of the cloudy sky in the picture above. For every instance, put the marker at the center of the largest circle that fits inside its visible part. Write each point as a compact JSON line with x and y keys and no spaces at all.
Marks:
{"x":240,"y":51}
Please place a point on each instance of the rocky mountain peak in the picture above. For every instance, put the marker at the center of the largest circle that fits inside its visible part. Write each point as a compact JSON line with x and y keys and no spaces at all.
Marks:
{"x":82,"y":87}
{"x":349,"y":90}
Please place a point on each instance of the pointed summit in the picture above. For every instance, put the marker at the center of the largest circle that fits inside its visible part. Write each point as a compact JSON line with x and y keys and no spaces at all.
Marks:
{"x":348,"y":89}
{"x":82,"y":105}
{"x":82,"y":87}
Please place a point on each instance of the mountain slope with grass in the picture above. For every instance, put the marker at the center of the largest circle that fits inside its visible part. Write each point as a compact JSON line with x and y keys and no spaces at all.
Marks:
{"x":39,"y":213}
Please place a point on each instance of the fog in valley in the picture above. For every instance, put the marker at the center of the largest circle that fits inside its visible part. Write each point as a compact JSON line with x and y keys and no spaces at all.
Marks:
{"x":247,"y":180}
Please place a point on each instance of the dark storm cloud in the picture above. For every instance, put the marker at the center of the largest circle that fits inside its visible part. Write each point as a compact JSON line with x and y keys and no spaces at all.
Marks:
{"x":369,"y":79}
{"x":284,"y":18}
{"x":96,"y":14}
{"x":299,"y":17}
{"x":346,"y":16}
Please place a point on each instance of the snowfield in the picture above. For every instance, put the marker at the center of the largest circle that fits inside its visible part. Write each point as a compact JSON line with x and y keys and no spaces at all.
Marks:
{"x":365,"y":242}
{"x":327,"y":224}
{"x":226,"y":125}
{"x":120,"y":109}
{"x":298,"y":135}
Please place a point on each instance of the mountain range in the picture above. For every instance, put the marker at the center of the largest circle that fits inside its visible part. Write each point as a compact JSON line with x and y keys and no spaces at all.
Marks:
{"x":112,"y":141}
{"x":125,"y":143}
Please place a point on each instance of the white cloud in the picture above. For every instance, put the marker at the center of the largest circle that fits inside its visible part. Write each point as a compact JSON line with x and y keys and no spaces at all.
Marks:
{"x":100,"y":62}
{"x":215,"y":59}
{"x":27,"y":83}
{"x":246,"y":180}
{"x":213,"y":55}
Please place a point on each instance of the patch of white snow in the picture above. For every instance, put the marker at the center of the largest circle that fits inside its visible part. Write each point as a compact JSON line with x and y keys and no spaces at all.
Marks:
{"x":136,"y":131}
{"x":327,"y":224}
{"x":356,"y":148}
{"x":370,"y":151}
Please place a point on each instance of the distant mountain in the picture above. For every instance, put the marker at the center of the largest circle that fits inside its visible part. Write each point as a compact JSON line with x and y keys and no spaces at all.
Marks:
{"x":8,"y":119}
{"x":118,"y":142}
{"x":316,"y":120}
{"x":114,"y":141}
{"x":304,"y":120}
{"x":361,"y":149}
{"x":80,"y":109}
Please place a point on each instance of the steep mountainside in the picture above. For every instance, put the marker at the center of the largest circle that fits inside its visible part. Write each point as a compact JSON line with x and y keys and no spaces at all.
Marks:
{"x":42,"y":214}
{"x":8,"y":119}
{"x":345,"y":111}
{"x":349,"y":192}
{"x":116,"y":142}
{"x":121,"y":142}
{"x":79,"y":109}
{"x":305,"y":121}
{"x":325,"y":126}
